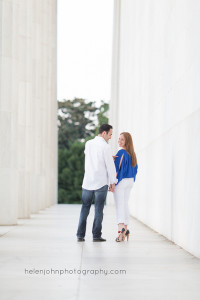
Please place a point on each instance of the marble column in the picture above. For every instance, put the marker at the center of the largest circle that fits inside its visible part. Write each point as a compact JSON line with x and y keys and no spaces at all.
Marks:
{"x":28,"y":108}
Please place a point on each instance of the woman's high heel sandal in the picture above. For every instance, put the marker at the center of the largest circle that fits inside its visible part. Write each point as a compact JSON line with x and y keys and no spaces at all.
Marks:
{"x":120,"y":237}
{"x":127,"y":234}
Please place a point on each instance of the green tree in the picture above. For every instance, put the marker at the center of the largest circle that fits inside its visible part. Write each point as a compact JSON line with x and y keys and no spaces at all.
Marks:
{"x":72,"y":141}
{"x":102,"y":115}
{"x":70,"y":173}
{"x":76,"y":121}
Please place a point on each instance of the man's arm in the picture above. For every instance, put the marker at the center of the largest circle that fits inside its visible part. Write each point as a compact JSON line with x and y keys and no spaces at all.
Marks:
{"x":85,"y":147}
{"x":110,"y":166}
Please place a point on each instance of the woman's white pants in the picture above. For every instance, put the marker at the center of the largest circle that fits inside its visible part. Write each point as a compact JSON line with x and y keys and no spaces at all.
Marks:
{"x":121,"y":196}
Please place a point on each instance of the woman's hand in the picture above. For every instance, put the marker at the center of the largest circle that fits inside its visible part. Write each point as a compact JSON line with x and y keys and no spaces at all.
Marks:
{"x":114,"y":156}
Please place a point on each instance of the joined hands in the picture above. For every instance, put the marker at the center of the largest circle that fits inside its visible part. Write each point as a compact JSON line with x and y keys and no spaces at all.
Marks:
{"x":111,"y":188}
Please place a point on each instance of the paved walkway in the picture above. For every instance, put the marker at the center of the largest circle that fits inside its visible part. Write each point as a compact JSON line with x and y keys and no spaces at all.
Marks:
{"x":156,"y":269}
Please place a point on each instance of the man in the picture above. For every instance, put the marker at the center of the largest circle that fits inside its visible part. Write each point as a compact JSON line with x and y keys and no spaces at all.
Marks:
{"x":100,"y":173}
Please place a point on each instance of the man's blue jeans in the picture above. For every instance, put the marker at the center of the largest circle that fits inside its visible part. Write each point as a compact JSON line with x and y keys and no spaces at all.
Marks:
{"x":100,"y":198}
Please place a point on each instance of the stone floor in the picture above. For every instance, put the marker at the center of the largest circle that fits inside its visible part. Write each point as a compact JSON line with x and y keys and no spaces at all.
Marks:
{"x":41,"y":259}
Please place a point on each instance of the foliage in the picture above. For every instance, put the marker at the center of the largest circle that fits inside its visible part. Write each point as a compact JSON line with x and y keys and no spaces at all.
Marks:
{"x":102,"y":115}
{"x":75,"y":121}
{"x":70,"y":173}
{"x":78,"y":123}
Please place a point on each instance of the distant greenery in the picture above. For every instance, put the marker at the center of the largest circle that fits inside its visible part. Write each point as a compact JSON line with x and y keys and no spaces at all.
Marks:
{"x":78,"y":121}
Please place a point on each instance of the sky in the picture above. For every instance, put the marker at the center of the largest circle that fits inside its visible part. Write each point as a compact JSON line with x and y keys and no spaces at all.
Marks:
{"x":84,"y":49}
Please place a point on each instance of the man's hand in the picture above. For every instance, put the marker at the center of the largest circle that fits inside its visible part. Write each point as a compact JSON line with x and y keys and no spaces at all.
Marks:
{"x":112,"y":187}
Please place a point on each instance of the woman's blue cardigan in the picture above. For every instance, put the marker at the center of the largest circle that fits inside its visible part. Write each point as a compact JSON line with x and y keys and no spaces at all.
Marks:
{"x":126,"y":170}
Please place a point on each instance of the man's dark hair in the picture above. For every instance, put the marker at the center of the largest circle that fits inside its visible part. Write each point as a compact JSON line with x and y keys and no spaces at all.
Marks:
{"x":104,"y":127}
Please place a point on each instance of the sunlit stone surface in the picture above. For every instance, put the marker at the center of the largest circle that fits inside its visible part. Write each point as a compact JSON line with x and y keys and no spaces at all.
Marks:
{"x":155,"y":267}
{"x":155,"y":96}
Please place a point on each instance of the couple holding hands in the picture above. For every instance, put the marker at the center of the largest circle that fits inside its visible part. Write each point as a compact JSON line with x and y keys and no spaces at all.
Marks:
{"x":102,"y":170}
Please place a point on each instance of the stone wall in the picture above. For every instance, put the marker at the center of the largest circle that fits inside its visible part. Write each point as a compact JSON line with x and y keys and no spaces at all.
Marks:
{"x":156,"y":97}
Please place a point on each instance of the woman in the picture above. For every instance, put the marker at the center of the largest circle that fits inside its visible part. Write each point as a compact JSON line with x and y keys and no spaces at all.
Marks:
{"x":126,"y":167}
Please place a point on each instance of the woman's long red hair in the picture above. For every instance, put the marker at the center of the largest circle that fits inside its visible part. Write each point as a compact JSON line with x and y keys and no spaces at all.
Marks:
{"x":129,"y":147}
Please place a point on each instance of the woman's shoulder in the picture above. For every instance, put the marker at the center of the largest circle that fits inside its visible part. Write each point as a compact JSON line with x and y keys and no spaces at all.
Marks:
{"x":121,"y":151}
{"x":124,"y":153}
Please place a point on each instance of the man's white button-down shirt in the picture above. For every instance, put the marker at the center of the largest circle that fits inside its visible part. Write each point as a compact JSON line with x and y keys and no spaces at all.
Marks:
{"x":99,"y":165}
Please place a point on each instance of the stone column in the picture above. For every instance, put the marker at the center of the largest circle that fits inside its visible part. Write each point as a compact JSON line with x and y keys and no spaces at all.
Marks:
{"x":114,"y":102}
{"x":28,"y":108}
